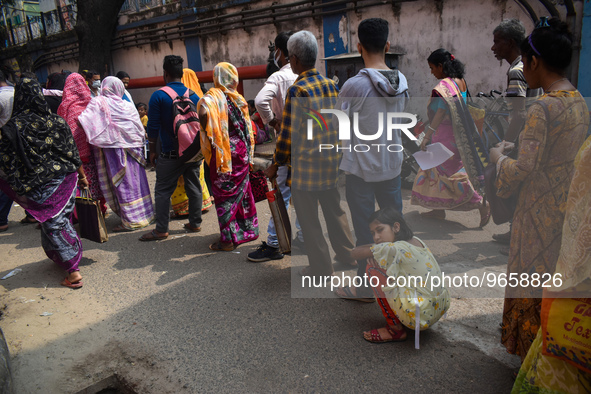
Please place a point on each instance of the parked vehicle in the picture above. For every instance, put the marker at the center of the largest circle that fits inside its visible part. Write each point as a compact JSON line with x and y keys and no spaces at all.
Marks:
{"x":410,"y":167}
{"x":496,"y":120}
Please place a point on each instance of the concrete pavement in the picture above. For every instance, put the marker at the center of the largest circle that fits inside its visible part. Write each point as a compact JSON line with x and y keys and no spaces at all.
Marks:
{"x":172,"y":316}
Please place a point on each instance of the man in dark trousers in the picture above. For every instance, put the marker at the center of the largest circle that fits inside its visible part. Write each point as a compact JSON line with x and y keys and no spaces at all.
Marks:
{"x":169,"y":168}
{"x":313,"y":179}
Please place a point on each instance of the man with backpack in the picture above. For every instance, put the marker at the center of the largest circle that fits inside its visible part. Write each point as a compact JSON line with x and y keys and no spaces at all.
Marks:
{"x":171,"y":164}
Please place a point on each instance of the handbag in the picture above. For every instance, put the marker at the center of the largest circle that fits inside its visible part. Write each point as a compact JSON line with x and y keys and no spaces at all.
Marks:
{"x":280,"y":218}
{"x":566,"y":333}
{"x":90,"y":218}
{"x":502,"y":209}
{"x":259,"y":185}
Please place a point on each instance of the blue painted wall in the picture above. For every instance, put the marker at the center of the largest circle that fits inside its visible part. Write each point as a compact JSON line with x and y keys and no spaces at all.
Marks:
{"x":193,"y":54}
{"x":333,"y":44}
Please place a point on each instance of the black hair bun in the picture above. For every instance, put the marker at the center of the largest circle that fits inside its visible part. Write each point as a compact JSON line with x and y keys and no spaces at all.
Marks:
{"x":561,"y":28}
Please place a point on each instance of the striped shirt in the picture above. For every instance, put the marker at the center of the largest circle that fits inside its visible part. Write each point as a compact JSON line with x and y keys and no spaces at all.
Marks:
{"x":311,"y":169}
{"x":517,"y":85}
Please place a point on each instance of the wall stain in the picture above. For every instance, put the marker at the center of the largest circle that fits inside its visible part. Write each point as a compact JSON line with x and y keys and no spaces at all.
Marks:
{"x":439,"y":10}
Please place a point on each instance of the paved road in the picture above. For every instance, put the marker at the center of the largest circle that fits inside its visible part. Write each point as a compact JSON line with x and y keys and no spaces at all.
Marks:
{"x":171,"y":316}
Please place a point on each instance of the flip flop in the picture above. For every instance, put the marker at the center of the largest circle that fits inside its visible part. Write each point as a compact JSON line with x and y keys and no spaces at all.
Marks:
{"x":350,"y":296}
{"x":397,"y":336}
{"x":75,"y":285}
{"x":152,"y":236}
{"x":219,"y":247}
{"x":192,"y":229}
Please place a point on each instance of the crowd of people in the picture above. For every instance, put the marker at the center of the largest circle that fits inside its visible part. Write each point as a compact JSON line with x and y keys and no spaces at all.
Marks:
{"x":96,"y":138}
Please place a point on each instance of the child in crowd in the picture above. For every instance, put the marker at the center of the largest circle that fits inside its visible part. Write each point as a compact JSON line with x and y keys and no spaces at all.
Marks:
{"x":254,"y":115}
{"x":395,"y":259}
{"x":142,"y":110}
{"x":258,"y":127}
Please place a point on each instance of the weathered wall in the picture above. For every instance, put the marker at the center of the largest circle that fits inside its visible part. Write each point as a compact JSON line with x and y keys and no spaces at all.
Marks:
{"x":464,"y":27}
{"x":146,"y":61}
{"x":416,"y":28}
{"x":71,"y":65}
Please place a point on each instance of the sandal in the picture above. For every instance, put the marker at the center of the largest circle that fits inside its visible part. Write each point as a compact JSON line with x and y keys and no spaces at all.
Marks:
{"x":484,"y":219}
{"x":504,"y":238}
{"x":75,"y":285}
{"x":176,"y":216}
{"x":28,"y":220}
{"x":345,"y":293}
{"x":3,"y":228}
{"x":221,"y":247}
{"x":153,"y":236}
{"x":192,"y":229}
{"x":434,"y":214}
{"x":397,"y":336}
{"x":121,"y":229}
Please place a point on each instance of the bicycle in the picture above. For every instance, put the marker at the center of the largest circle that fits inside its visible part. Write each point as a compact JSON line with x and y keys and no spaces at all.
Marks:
{"x":496,"y":116}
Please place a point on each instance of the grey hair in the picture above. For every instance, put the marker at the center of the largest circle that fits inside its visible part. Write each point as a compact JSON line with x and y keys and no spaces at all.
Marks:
{"x":303,"y":45}
{"x":511,"y":29}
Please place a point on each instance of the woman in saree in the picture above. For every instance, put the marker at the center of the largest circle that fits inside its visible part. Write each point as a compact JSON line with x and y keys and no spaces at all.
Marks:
{"x":540,"y":176}
{"x":227,"y":143}
{"x":542,"y":371}
{"x":180,"y":201}
{"x":75,"y":99}
{"x":115,"y":131}
{"x":448,"y":185}
{"x":39,"y":169}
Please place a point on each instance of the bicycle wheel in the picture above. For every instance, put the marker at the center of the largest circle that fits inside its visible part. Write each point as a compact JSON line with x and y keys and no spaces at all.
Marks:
{"x":493,"y":131}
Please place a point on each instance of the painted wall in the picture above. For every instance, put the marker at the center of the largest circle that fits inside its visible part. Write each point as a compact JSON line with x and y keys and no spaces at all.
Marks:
{"x":416,"y":28}
{"x":462,"y":27}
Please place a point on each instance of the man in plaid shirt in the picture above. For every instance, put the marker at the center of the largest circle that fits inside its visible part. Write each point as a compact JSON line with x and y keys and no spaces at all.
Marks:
{"x":314,"y":171}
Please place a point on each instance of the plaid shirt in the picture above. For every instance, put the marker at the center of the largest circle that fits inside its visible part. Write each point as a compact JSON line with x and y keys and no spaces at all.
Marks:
{"x":311,"y":170}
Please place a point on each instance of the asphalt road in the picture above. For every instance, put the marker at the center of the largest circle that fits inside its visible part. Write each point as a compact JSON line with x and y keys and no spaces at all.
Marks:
{"x":172,"y":316}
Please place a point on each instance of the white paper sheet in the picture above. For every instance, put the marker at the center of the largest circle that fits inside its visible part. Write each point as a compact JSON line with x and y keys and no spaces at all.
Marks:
{"x":436,"y":154}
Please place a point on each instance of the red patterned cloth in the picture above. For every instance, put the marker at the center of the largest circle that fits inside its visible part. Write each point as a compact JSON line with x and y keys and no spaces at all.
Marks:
{"x":74,"y":101}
